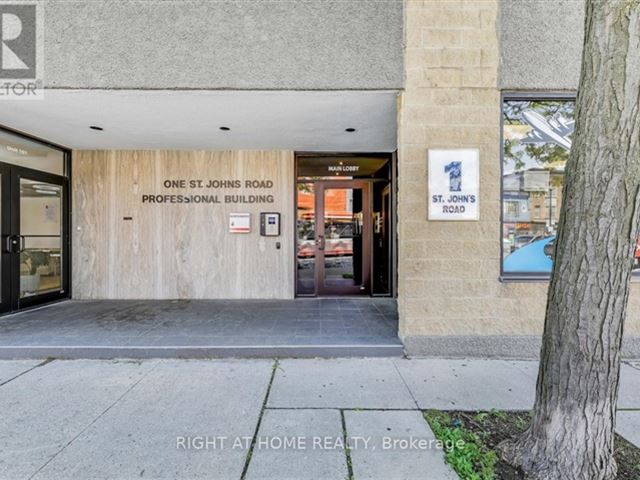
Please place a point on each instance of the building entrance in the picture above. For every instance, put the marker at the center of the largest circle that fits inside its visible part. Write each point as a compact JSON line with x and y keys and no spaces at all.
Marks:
{"x":34,"y":202}
{"x":343,"y":225}
{"x":34,"y":230}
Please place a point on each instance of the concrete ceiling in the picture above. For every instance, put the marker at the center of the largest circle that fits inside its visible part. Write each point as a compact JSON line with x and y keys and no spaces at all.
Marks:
{"x":191,"y":119}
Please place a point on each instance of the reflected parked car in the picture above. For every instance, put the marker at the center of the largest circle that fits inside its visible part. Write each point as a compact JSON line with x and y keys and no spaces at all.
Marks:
{"x":522,"y":240}
{"x":535,"y":257}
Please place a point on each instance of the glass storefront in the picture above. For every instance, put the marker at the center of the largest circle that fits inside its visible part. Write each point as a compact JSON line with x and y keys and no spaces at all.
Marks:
{"x":35,"y":240}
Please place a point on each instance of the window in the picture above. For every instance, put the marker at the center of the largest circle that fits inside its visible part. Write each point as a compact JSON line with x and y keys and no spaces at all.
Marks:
{"x":537,"y":137}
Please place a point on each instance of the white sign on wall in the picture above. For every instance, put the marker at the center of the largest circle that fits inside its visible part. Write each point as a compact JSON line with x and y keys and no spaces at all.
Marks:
{"x":239,"y":222}
{"x":454,"y":184}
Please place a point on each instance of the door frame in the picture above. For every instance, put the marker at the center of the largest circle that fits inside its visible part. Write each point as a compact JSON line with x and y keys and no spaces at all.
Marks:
{"x":6,"y":275}
{"x":393,"y":234}
{"x":17,"y":174}
{"x":320,"y":188}
{"x":10,"y":209}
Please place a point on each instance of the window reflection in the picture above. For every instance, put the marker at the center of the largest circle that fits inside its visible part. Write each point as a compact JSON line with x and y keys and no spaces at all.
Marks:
{"x":343,"y":223}
{"x":537,"y":139}
{"x":306,"y":248}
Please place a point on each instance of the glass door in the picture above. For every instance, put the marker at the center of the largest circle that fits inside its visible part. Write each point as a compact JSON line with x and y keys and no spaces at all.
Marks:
{"x":34,"y":229}
{"x":343,"y":238}
{"x":345,"y":224}
{"x":306,"y":239}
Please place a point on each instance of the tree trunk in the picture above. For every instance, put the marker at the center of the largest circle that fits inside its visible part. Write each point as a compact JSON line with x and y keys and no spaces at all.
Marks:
{"x":572,"y":431}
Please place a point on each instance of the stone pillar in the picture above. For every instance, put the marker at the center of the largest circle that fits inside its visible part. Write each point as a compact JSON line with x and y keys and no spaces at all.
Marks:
{"x":448,"y":271}
{"x":450,"y":296}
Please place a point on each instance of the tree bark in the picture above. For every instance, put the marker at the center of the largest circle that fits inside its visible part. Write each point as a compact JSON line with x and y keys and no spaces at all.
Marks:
{"x":572,"y":431}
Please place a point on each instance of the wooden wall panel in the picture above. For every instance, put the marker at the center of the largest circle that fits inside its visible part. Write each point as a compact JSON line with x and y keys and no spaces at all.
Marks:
{"x":178,"y":250}
{"x":90,"y":221}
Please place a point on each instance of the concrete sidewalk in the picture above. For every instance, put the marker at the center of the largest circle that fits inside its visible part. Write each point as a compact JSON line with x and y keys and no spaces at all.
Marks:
{"x":253,"y":419}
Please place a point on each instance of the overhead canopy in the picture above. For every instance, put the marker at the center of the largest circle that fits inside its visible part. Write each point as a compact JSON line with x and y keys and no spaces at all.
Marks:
{"x":191,"y":119}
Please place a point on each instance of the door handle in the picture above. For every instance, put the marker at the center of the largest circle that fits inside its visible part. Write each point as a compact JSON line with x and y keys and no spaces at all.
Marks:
{"x":23,"y":243}
{"x":320,"y":242}
{"x":11,"y":243}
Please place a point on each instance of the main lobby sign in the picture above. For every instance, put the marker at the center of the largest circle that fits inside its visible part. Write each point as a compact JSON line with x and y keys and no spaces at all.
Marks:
{"x":454,"y":184}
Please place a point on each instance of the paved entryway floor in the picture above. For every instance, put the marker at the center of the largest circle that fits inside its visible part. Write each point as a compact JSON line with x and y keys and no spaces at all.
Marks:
{"x":204,"y":328}
{"x":231,"y":419}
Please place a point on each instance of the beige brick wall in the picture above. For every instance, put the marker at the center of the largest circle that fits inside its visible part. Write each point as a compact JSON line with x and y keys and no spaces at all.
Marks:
{"x":449,"y":271}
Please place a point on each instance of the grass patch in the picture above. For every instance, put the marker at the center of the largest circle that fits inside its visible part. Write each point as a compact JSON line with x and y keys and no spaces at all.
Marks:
{"x":483,"y":431}
{"x":465,"y":451}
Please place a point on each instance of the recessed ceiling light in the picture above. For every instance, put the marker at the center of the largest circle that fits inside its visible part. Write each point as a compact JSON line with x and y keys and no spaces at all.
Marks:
{"x":95,"y":127}
{"x":350,"y":130}
{"x":225,"y":129}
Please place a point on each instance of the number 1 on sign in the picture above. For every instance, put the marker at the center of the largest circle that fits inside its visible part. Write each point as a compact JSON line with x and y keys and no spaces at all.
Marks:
{"x":454,"y":169}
